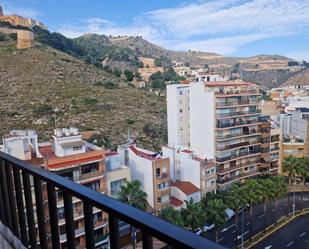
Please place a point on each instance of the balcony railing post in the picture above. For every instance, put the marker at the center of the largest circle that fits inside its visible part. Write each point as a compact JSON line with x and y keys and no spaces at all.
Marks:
{"x":9,"y":179}
{"x":29,"y":210}
{"x":69,"y":220}
{"x":2,"y":215}
{"x":147,"y":241}
{"x":150,"y":225}
{"x":114,"y":232}
{"x":53,"y":216}
{"x":20,"y":206}
{"x":5,"y":196}
{"x":40,"y":212}
{"x":89,"y":225}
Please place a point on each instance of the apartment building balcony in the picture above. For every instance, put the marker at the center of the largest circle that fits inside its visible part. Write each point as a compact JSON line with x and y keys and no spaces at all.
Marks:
{"x":240,"y":123}
{"x":225,"y":94}
{"x":237,"y":178}
{"x":92,"y":175}
{"x":162,"y":176}
{"x":237,"y":156}
{"x":227,"y":146}
{"x":235,"y":103}
{"x":255,"y":162}
{"x":236,"y":114}
{"x":223,"y":137}
{"x":17,"y":212}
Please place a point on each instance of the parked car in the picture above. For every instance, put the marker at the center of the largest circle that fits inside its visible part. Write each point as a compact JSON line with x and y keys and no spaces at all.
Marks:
{"x":208,"y":227}
{"x":229,"y":213}
{"x":198,"y":231}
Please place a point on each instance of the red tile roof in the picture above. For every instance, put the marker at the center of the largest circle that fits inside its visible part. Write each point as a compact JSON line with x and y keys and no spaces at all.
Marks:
{"x":187,"y":151}
{"x":228,"y":83}
{"x":54,"y":162}
{"x":176,"y":202}
{"x":149,"y":156}
{"x":186,"y":187}
{"x":111,"y":153}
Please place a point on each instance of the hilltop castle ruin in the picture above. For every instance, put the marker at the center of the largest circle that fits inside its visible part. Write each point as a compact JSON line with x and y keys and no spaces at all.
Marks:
{"x":25,"y":37}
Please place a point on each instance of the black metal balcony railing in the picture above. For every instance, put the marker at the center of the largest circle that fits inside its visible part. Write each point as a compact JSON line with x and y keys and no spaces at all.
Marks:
{"x":17,"y":212}
{"x":237,"y":123}
{"x":240,"y":113}
{"x":236,"y":103}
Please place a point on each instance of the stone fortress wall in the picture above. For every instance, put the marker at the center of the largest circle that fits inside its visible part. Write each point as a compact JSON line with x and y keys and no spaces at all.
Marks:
{"x":25,"y":38}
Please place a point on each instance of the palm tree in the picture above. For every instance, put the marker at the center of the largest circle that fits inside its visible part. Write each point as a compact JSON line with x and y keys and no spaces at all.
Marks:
{"x":253,"y":193}
{"x":133,"y":195}
{"x":173,"y":216}
{"x":290,"y":167}
{"x":268,"y":194}
{"x":216,"y":215}
{"x":280,"y":189}
{"x":253,"y":196}
{"x":235,"y":199}
{"x":194,"y":215}
{"x":302,"y":171}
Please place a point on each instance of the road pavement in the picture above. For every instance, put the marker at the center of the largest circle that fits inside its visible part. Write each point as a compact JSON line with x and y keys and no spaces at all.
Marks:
{"x":229,"y":235}
{"x":295,"y":235}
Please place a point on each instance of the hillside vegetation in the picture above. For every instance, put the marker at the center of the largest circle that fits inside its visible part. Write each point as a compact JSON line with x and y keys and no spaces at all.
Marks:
{"x":33,"y":82}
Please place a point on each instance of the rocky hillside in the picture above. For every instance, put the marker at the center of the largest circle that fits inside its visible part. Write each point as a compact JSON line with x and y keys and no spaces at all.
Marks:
{"x":35,"y":81}
{"x":301,"y":78}
{"x":123,"y":52}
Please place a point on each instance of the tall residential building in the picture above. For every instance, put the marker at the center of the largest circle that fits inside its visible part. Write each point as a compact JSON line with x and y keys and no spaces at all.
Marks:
{"x":152,"y":170}
{"x":270,"y":140}
{"x":220,"y":122}
{"x":71,"y":157}
{"x":295,"y":123}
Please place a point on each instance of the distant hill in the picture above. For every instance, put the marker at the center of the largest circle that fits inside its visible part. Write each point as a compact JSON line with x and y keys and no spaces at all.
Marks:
{"x":301,"y":78}
{"x":35,"y":81}
{"x":123,"y":53}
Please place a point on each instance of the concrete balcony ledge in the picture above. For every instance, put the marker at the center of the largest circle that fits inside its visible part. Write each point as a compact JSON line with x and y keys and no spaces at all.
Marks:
{"x":8,"y":239}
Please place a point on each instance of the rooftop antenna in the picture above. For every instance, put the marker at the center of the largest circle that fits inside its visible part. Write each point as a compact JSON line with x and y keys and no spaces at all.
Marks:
{"x":129,"y":136}
{"x":55,"y":117}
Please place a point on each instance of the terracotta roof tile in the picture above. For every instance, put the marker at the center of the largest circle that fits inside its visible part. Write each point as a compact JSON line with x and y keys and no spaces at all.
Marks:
{"x":186,"y":187}
{"x":176,"y":202}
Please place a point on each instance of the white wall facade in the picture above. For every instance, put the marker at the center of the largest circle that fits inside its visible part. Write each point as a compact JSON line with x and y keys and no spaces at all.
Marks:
{"x":178,"y":114}
{"x":202,"y":120}
{"x":177,"y":193}
{"x":21,"y":144}
{"x":190,"y":169}
{"x":142,"y":170}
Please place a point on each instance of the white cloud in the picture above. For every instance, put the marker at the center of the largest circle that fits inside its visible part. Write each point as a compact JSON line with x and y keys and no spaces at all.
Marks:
{"x":26,"y":12}
{"x":299,"y":55}
{"x":222,"y":26}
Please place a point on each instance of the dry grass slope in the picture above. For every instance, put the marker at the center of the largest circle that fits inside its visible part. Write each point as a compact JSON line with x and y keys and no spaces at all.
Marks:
{"x":34,"y":81}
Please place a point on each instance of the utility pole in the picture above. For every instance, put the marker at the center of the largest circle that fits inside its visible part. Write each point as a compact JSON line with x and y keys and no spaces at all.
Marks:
{"x":242,"y":228}
{"x":294,"y":203}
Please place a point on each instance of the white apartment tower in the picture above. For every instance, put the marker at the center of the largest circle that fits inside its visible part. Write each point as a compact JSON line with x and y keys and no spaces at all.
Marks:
{"x":178,"y":115}
{"x":218,"y":120}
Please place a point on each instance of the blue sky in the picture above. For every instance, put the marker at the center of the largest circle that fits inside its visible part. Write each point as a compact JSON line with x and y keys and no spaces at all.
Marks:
{"x":228,"y":27}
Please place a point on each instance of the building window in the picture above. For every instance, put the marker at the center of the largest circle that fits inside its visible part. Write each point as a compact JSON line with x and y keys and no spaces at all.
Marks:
{"x":93,"y":185}
{"x":180,"y":110}
{"x":89,"y":168}
{"x":116,"y":186}
{"x":158,"y":172}
{"x":77,"y":148}
{"x":163,"y":185}
{"x":163,"y":198}
{"x":180,"y":92}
